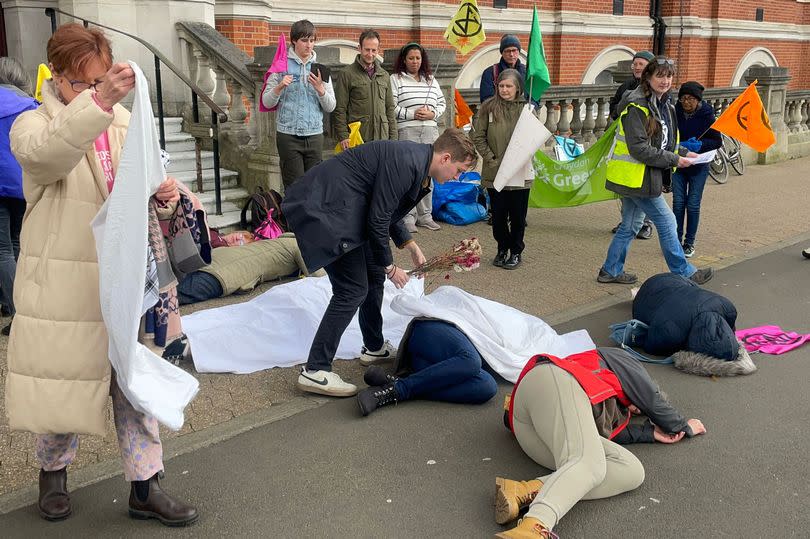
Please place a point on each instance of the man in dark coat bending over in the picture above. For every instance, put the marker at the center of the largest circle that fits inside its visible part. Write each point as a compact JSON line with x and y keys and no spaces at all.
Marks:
{"x":343,"y":212}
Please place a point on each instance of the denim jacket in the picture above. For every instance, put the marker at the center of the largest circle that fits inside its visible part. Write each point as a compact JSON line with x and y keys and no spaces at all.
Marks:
{"x":300,"y":108}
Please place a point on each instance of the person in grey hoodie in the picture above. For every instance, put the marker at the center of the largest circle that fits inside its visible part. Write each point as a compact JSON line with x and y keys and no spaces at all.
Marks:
{"x":303,"y":94}
{"x":645,"y":152}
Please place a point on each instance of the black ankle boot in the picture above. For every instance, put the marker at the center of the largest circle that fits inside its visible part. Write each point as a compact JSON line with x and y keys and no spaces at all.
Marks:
{"x":376,"y":397}
{"x":54,"y":500}
{"x":376,"y":376}
{"x":148,"y":500}
{"x":500,"y":259}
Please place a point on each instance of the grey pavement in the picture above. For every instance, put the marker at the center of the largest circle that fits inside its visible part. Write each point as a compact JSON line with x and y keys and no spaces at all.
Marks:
{"x":424,"y":469}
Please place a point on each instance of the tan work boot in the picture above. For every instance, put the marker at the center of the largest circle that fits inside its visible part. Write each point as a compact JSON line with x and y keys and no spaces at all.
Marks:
{"x":528,"y":528}
{"x":510,"y":496}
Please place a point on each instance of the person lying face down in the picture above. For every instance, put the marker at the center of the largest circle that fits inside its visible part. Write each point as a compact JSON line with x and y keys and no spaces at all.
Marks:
{"x":241,"y":267}
{"x":570,"y":415}
{"x":435,"y":361}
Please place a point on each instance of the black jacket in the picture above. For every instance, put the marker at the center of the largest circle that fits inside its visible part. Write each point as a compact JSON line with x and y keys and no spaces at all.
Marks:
{"x":627,"y":86}
{"x":359,"y":195}
{"x":684,"y":316}
{"x":697,"y":125}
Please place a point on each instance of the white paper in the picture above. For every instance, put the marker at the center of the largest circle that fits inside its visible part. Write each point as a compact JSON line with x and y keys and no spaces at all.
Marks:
{"x":706,"y":157}
{"x":151,"y":384}
{"x":516,"y":166}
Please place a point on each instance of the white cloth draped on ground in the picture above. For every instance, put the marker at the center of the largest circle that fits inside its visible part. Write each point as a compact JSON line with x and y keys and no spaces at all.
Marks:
{"x":151,"y":384}
{"x":276,"y":328}
{"x":505,"y":337}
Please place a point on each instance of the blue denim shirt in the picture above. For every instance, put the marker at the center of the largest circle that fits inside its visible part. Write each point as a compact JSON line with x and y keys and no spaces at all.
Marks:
{"x":300,"y":108}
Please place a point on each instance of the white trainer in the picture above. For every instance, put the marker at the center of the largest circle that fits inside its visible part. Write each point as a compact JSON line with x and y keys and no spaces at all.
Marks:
{"x":325,"y":383}
{"x":387,"y":352}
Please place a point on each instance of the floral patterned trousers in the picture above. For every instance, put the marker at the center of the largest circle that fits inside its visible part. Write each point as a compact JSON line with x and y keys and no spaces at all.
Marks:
{"x":138,"y":439}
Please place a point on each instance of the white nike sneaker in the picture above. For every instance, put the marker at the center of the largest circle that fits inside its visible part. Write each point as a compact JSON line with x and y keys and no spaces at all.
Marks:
{"x":325,"y":383}
{"x":387,"y":352}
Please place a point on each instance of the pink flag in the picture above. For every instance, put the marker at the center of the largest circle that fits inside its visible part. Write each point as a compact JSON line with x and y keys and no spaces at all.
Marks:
{"x":279,"y":65}
{"x":770,"y":339}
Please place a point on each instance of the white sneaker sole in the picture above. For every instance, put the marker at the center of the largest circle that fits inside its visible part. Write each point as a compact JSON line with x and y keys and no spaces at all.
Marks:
{"x":367,"y":361}
{"x":327,"y":390}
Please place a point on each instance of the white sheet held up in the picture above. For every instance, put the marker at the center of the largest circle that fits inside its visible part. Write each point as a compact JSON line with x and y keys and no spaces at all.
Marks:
{"x":505,"y":337}
{"x":151,"y":384}
{"x":516,"y":166}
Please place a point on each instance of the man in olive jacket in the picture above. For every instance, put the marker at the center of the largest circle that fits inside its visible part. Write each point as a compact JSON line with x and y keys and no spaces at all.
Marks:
{"x":343,"y":212}
{"x":363,"y":94}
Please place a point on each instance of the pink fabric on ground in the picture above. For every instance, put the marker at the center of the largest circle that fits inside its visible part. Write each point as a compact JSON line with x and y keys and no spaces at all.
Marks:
{"x":279,"y":65}
{"x":770,"y":339}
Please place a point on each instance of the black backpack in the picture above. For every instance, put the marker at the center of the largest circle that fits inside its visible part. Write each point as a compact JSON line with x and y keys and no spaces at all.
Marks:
{"x":259,"y":205}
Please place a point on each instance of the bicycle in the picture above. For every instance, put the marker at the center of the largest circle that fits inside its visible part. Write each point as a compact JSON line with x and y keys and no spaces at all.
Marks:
{"x":728,"y":155}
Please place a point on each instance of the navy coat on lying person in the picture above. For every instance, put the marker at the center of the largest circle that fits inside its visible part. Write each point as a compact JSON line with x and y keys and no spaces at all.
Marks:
{"x":683,"y":316}
{"x":360,"y":195}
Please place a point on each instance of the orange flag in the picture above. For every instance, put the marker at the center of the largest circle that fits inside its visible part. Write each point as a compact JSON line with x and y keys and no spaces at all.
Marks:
{"x":463,"y":112}
{"x":745,"y":119}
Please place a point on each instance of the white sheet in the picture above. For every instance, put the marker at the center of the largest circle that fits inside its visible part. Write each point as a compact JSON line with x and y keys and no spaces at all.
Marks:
{"x":151,"y":384}
{"x":528,"y":136}
{"x":505,"y":337}
{"x":276,"y":328}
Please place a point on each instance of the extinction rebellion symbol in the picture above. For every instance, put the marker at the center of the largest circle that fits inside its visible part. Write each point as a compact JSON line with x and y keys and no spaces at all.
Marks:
{"x":742,"y":117}
{"x":468,"y":23}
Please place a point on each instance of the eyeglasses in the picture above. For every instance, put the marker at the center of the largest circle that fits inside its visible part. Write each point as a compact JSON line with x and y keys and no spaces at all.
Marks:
{"x":665,"y":61}
{"x":685,"y":98}
{"x":80,"y":86}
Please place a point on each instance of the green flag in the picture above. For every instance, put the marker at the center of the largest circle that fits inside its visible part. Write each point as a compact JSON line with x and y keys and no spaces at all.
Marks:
{"x":560,"y":184}
{"x":537,"y":77}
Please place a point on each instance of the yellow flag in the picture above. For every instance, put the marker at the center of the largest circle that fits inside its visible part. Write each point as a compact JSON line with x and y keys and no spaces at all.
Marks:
{"x":745,"y":119}
{"x":466,"y":30}
{"x":43,"y":74}
{"x":355,"y":138}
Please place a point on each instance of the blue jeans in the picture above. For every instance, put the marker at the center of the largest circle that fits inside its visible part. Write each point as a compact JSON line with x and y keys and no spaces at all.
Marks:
{"x":11,"y":216}
{"x":446,"y":366}
{"x":687,"y":192}
{"x":633,"y":210}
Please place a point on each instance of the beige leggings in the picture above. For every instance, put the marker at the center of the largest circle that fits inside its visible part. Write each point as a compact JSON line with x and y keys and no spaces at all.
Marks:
{"x":554,"y":425}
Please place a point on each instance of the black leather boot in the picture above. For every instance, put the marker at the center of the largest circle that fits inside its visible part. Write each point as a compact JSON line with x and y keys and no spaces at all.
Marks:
{"x":54,"y":500}
{"x":157,"y":504}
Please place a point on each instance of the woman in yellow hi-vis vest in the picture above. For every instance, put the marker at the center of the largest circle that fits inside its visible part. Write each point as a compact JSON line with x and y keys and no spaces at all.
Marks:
{"x":645,"y":153}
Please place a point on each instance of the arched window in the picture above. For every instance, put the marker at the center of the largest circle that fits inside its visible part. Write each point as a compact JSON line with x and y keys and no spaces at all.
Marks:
{"x":601,"y":68}
{"x":756,"y":57}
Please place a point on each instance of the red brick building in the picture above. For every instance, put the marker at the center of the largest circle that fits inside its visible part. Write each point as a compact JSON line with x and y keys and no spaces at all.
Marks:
{"x":714,"y":41}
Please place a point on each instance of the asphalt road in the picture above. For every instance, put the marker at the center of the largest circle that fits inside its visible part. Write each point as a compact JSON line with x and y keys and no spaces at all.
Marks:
{"x":424,"y":469}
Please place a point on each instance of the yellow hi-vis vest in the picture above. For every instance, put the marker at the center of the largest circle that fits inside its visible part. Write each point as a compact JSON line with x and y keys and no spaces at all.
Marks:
{"x":623,"y":168}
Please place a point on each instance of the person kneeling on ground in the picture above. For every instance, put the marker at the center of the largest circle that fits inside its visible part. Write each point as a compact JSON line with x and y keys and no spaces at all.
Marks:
{"x":570,"y":415}
{"x":436,"y":361}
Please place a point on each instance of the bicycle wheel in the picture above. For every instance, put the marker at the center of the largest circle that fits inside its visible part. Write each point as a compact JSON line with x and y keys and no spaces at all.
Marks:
{"x":718,"y":169}
{"x":735,"y":157}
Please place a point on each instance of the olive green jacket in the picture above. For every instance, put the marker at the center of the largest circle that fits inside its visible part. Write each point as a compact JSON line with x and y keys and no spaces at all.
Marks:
{"x":491,"y":136}
{"x":365,"y":100}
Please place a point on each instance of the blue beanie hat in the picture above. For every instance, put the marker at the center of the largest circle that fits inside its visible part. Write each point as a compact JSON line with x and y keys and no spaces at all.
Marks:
{"x":509,"y":40}
{"x":645,"y":55}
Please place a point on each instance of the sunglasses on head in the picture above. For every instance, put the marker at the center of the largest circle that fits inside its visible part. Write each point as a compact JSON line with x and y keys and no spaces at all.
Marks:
{"x":665,"y":61}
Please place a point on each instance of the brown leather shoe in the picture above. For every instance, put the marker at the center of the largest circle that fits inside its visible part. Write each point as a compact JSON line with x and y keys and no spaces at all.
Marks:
{"x":159,"y":505}
{"x":54,"y":500}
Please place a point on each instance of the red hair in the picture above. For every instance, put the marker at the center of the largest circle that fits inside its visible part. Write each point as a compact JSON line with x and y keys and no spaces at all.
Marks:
{"x":73,"y":46}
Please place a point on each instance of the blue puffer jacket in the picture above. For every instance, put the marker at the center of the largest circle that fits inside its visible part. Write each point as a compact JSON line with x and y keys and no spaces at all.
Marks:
{"x":12,"y":103}
{"x":684,"y":316}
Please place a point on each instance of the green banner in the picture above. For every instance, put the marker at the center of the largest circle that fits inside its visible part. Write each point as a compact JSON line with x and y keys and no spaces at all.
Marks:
{"x":561,"y":184}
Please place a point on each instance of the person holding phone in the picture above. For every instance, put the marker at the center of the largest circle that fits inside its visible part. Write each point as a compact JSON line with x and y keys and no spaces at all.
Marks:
{"x":303,"y":94}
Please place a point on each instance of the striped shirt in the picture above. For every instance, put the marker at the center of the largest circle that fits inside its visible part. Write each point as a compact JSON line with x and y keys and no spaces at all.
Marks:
{"x":410,"y":95}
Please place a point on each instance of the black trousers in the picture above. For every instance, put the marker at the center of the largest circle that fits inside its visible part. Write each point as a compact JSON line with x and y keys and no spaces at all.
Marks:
{"x":296,"y":155}
{"x":357,"y":282}
{"x":509,"y":209}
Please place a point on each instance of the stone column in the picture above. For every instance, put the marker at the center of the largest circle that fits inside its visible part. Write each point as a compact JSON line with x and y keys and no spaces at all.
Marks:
{"x":27,"y":32}
{"x":446,"y":70}
{"x":772,"y":87}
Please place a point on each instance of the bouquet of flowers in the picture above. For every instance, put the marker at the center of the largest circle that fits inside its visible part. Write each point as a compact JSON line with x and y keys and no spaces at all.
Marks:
{"x":464,"y":256}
